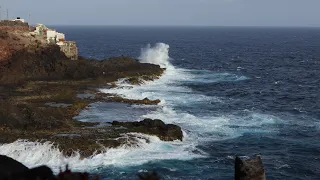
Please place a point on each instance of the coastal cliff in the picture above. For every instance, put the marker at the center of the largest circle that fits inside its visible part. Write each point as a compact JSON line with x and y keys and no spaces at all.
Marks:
{"x":36,"y":76}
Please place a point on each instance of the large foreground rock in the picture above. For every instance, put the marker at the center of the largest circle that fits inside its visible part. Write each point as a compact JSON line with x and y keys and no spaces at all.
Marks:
{"x":251,"y":169}
{"x":11,"y":169}
{"x":10,"y":166}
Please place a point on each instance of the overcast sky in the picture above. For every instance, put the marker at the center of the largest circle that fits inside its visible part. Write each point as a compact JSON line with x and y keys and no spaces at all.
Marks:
{"x":167,"y":12}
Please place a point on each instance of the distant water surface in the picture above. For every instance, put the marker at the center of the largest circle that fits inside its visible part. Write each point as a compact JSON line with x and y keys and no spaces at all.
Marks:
{"x":234,"y":91}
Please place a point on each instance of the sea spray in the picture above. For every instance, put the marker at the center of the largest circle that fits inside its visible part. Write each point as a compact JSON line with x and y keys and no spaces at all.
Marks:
{"x":158,"y":54}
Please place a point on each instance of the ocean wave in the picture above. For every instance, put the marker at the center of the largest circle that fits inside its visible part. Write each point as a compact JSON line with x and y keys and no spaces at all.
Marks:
{"x":177,"y":99}
{"x":150,"y":148}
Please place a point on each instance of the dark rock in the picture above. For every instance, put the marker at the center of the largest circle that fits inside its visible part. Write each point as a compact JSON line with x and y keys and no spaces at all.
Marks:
{"x":173,"y":131}
{"x":11,"y":169}
{"x":10,"y":166}
{"x":166,"y":132}
{"x":149,"y":176}
{"x":38,"y":173}
{"x":68,"y":175}
{"x":251,"y":169}
{"x":157,"y":123}
{"x":49,"y":63}
{"x":134,"y":81}
{"x":148,"y":101}
{"x":115,"y":98}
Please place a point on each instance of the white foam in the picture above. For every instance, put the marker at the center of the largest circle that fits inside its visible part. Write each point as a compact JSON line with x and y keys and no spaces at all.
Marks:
{"x":33,"y":154}
{"x":166,"y":88}
{"x":215,"y":127}
{"x":207,"y":76}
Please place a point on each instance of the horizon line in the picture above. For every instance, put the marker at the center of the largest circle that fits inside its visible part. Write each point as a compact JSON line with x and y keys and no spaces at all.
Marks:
{"x":216,"y":26}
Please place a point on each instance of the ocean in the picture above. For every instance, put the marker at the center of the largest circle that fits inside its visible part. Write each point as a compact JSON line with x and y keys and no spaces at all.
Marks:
{"x":242,"y":91}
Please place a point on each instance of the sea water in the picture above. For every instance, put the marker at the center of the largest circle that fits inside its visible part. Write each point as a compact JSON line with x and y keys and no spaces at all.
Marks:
{"x":234,"y":91}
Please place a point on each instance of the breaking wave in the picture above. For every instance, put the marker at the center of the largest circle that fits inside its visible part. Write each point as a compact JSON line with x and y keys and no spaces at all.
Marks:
{"x":149,"y":148}
{"x":158,"y":54}
{"x":181,"y":105}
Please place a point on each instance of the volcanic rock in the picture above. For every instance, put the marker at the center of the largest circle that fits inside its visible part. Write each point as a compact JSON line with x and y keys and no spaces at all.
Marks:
{"x":251,"y":169}
{"x":166,"y":132}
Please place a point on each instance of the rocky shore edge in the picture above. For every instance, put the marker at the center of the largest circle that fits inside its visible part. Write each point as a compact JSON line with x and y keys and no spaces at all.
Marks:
{"x":10,"y":169}
{"x":41,"y":91}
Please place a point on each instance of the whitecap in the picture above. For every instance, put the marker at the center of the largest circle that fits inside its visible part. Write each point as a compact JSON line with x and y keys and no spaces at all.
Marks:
{"x":150,"y":148}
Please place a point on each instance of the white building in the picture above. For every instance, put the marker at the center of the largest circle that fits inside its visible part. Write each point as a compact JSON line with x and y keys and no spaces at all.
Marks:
{"x":19,"y":19}
{"x":60,"y":37}
{"x":56,"y":37}
{"x":51,"y":35}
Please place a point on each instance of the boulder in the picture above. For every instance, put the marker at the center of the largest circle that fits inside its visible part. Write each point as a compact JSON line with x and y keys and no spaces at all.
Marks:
{"x":144,"y":101}
{"x":10,"y":166}
{"x":38,"y":173}
{"x":166,"y":132}
{"x":157,"y":123}
{"x":251,"y":169}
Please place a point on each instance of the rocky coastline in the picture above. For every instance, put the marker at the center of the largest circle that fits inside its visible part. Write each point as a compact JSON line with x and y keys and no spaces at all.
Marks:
{"x":249,"y":169}
{"x":40,"y":92}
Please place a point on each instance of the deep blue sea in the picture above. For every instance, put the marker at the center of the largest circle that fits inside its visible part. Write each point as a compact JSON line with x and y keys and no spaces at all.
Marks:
{"x":234,"y":91}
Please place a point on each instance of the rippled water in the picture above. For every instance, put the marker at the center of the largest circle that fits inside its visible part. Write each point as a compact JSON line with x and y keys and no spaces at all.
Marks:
{"x":234,"y":91}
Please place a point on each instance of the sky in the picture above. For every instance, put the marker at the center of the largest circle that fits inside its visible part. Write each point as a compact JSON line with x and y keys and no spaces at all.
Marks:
{"x":167,"y":12}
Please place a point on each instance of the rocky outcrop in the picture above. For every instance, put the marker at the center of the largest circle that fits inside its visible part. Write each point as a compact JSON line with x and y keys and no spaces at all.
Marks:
{"x":27,"y":57}
{"x":49,"y":63}
{"x":16,"y":38}
{"x":251,"y":169}
{"x":10,"y":166}
{"x":32,"y":64}
{"x":139,"y":80}
{"x":34,"y":75}
{"x":166,"y":132}
{"x":144,"y":101}
{"x":11,"y":169}
{"x":88,"y":138}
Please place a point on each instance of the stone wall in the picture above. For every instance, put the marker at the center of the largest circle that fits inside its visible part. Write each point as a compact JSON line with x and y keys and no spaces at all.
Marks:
{"x":70,"y":49}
